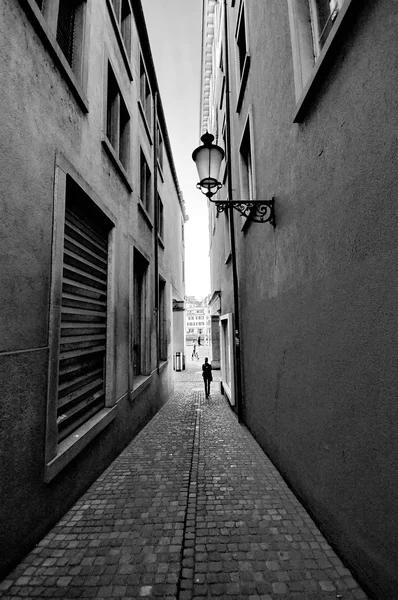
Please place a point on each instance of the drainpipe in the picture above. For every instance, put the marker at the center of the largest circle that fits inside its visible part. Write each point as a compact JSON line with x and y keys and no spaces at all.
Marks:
{"x":156,"y":226}
{"x":235,"y":285}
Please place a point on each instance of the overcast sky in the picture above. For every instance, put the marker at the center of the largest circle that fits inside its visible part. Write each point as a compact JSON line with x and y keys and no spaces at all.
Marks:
{"x":174,"y":28}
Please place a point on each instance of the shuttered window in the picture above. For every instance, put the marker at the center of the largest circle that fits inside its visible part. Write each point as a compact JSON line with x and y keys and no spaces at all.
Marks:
{"x":66,"y":28}
{"x":81,"y":383}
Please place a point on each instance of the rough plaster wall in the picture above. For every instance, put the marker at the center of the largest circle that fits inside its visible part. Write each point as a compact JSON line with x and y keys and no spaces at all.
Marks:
{"x":39,"y":116}
{"x":318,"y":294}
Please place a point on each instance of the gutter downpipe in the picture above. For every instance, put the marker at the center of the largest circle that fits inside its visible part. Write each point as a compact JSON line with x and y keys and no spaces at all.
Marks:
{"x":235,"y":285}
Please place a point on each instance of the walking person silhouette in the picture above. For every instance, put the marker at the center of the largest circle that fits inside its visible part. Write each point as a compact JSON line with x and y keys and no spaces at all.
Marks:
{"x":207,"y":376}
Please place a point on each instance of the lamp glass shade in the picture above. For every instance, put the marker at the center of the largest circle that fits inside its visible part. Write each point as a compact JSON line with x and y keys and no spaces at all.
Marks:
{"x":208,"y":162}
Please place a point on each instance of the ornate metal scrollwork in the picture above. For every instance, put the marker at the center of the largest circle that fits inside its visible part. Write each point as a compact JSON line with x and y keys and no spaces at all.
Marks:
{"x":258,"y":211}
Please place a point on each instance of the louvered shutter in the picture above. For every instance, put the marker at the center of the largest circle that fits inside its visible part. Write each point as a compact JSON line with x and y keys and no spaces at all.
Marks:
{"x":81,"y":384}
{"x":66,"y":27}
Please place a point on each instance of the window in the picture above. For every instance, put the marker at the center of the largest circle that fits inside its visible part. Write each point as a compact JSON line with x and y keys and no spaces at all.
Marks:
{"x":81,"y":382}
{"x":243,"y":55}
{"x":145,"y":94}
{"x":241,"y":41}
{"x":160,"y":217}
{"x":227,"y":356}
{"x":227,"y":236}
{"x":123,"y":18}
{"x":160,"y":146}
{"x":247,"y":178}
{"x":66,"y":28}
{"x":117,"y":121}
{"x":323,"y":15}
{"x":139,"y":316}
{"x":162,"y":321}
{"x":314,"y":25}
{"x":65,"y":19}
{"x":145,"y":183}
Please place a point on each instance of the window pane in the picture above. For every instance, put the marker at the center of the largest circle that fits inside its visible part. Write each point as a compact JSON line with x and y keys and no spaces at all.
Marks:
{"x":112,"y":110}
{"x":242,"y":42}
{"x":66,"y":27}
{"x":124,"y":143}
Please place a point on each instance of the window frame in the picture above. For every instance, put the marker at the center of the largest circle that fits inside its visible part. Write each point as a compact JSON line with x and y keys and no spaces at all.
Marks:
{"x":247,"y":170}
{"x":243,"y":66}
{"x":227,"y":362}
{"x":116,"y":19}
{"x":309,"y":70}
{"x":163,"y":331}
{"x":44,"y":20}
{"x":144,"y":365}
{"x":113,"y":146}
{"x":160,"y":209}
{"x":146,"y":203}
{"x":59,"y":455}
{"x":145,"y":98}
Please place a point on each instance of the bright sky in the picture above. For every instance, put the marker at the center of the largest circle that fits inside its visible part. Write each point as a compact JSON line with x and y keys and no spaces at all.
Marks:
{"x":174,"y":28}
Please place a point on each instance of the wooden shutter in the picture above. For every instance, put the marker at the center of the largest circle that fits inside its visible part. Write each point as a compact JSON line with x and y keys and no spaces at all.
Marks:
{"x":66,"y":27}
{"x":81,"y":384}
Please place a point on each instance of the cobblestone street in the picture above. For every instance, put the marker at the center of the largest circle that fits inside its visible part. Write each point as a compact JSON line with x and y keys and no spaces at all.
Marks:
{"x":191,"y":509}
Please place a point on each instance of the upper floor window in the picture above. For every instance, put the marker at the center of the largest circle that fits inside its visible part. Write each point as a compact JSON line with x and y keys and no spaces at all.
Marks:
{"x":62,"y":26}
{"x":160,"y":217}
{"x":121,"y":17}
{"x":145,"y":94}
{"x":247,"y":177}
{"x":323,"y":15}
{"x":243,"y":53}
{"x":241,"y":41}
{"x":313,"y":27}
{"x":66,"y":28}
{"x":160,"y":145}
{"x":145,"y":182}
{"x":117,"y":120}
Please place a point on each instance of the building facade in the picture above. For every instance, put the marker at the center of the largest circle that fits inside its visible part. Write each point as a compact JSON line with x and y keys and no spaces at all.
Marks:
{"x":92,"y":253}
{"x":301,"y":94}
{"x":197,"y":321}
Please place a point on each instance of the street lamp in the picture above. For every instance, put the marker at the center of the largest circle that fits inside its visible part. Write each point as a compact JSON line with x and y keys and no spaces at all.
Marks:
{"x":208,"y":160}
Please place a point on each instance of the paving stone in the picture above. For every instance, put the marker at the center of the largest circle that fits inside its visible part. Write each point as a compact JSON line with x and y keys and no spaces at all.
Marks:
{"x":191,"y":509}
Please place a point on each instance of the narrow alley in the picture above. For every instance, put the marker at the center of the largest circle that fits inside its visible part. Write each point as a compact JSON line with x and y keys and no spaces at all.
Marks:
{"x":192,"y":508}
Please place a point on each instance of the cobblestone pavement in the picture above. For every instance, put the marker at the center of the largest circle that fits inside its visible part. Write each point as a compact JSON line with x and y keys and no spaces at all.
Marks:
{"x":191,"y":509}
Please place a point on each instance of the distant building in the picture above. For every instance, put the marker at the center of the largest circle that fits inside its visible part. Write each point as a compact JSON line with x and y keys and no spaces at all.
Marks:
{"x":92,"y":264}
{"x":302,"y":95}
{"x":197,"y":321}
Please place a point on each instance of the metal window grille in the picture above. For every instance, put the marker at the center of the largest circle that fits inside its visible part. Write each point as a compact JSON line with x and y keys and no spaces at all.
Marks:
{"x":66,"y":28}
{"x":81,"y":383}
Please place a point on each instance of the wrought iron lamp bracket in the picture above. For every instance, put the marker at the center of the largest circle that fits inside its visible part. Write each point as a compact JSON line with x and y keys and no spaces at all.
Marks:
{"x":258,"y":211}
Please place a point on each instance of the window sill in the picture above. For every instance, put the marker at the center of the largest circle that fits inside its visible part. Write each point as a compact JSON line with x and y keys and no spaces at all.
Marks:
{"x":120,"y":39}
{"x":145,"y":213}
{"x":145,"y":121}
{"x":243,"y":82}
{"x":116,"y":162}
{"x":140,"y":383}
{"x":51,"y":44}
{"x":74,"y":444}
{"x":163,"y":364}
{"x":330,"y":49}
